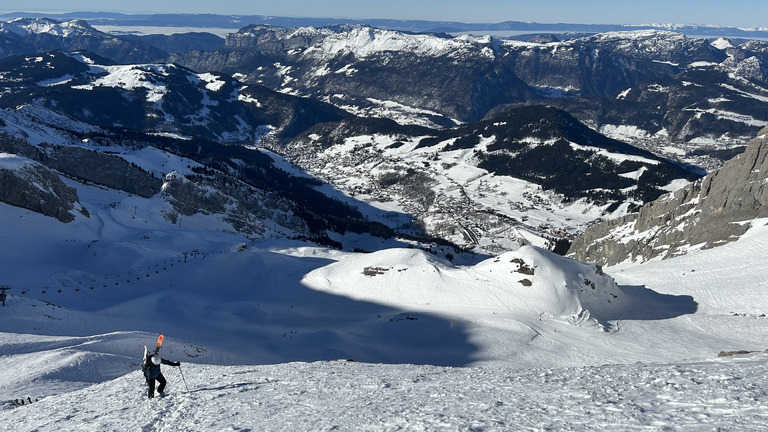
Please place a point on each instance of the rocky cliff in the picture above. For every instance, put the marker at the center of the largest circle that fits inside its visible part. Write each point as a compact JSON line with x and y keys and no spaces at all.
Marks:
{"x":710,"y":212}
{"x":86,"y":165}
{"x":31,"y":185}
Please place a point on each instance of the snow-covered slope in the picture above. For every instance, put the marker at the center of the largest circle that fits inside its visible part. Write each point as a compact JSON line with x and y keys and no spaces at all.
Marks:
{"x":680,"y":384}
{"x":526,"y":339}
{"x":529,"y":281}
{"x":343,"y":396}
{"x":98,"y":290}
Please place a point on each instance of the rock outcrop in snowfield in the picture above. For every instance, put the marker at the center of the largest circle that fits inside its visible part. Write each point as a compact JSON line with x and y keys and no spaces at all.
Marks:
{"x":710,"y":212}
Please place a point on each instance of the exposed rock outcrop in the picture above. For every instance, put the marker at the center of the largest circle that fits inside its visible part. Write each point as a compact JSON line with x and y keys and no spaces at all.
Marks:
{"x":87,"y":165}
{"x":31,"y":185}
{"x":710,"y":212}
{"x":104,"y":169}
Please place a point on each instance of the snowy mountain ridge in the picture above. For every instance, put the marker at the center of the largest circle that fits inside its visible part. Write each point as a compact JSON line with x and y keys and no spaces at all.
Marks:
{"x":212,"y":22}
{"x":608,"y":80}
{"x":25,"y":35}
{"x":158,"y":97}
{"x":361,"y":41}
{"x":336,"y":64}
{"x":24,"y":26}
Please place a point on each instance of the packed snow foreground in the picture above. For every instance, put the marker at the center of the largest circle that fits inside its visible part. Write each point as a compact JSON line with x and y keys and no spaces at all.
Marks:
{"x":526,"y":340}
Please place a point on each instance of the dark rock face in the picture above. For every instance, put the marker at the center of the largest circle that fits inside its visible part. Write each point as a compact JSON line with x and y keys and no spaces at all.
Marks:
{"x":103,"y":169}
{"x":35,"y":187}
{"x":705,"y":214}
{"x":87,"y":165}
{"x":180,"y":42}
{"x":608,"y":63}
{"x":35,"y":184}
{"x":244,"y":207}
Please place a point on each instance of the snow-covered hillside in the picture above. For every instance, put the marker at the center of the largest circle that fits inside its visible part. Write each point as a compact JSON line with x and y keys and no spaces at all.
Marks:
{"x":257,"y":326}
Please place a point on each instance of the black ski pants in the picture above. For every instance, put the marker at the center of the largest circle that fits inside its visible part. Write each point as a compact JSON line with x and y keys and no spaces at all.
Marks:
{"x":151,"y":384}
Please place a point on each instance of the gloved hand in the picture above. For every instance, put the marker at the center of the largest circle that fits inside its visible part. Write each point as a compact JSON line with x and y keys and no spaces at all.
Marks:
{"x":176,"y":364}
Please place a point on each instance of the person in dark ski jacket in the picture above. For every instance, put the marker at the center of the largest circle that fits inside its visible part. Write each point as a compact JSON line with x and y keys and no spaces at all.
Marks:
{"x":152,"y":373}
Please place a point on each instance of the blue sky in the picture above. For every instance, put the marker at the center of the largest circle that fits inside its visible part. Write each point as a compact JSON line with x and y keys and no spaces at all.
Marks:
{"x":740,"y":13}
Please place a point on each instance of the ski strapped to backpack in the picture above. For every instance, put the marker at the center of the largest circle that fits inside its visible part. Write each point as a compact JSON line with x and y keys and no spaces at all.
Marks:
{"x":157,"y":349}
{"x":159,"y":343}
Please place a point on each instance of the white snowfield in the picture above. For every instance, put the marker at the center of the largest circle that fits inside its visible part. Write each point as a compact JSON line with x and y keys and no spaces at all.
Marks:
{"x":524,"y":341}
{"x":348,"y":396}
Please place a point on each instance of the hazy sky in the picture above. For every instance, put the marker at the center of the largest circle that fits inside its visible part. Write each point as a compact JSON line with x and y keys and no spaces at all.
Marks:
{"x":739,"y":13}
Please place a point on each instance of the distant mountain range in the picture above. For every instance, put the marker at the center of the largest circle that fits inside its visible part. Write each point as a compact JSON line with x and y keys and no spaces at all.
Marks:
{"x":686,"y":98}
{"x":477,"y":141}
{"x":203,"y":21}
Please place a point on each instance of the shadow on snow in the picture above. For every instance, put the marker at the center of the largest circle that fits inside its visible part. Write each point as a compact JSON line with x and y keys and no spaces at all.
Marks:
{"x":647,"y":304}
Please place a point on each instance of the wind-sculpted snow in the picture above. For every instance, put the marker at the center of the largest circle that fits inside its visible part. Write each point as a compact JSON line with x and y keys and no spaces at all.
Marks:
{"x":528,"y":281}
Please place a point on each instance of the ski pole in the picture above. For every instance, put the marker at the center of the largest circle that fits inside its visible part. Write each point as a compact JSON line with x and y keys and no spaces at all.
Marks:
{"x":182,"y":378}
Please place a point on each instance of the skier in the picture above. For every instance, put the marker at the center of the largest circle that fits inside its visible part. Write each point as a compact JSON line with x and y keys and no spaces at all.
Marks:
{"x":151,"y":369}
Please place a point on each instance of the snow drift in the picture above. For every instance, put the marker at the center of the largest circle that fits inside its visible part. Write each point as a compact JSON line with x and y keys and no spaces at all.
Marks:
{"x":529,"y":281}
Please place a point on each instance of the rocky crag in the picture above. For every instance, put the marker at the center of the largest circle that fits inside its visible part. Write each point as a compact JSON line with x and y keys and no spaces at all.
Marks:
{"x":709,"y":212}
